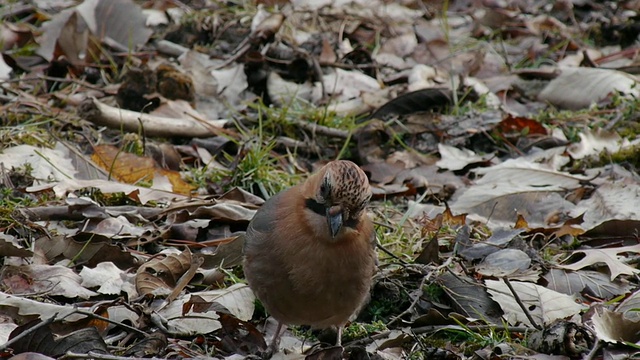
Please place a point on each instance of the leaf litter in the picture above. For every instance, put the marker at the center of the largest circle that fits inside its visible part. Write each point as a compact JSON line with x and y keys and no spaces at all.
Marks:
{"x":138,"y":140}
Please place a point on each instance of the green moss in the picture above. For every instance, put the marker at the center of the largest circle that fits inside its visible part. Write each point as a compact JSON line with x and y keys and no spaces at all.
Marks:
{"x":629,"y":156}
{"x":111,"y":199}
{"x":14,"y":198}
{"x":434,"y":292}
{"x":361,"y":330}
{"x":304,"y":332}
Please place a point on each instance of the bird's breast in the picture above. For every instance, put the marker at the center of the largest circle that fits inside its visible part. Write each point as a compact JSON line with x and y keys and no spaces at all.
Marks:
{"x":301,"y":275}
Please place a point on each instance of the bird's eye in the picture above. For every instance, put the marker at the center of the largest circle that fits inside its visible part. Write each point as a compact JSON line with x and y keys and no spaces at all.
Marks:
{"x":324,"y":190}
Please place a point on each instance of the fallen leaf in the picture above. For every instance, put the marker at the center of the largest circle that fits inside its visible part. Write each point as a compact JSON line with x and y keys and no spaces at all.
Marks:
{"x":580,"y":87}
{"x":607,"y":256}
{"x":544,"y":305}
{"x":613,"y":327}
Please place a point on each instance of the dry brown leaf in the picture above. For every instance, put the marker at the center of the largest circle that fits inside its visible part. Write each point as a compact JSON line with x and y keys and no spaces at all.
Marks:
{"x":613,"y":327}
{"x":160,"y":276}
{"x":44,"y":279}
{"x":106,"y":276}
{"x":7,"y":247}
{"x":131,"y":168}
{"x":453,"y":158}
{"x":578,"y":88}
{"x":327,"y":55}
{"x":453,"y":220}
{"x":607,"y":256}
{"x":591,"y":282}
{"x":517,"y":186}
{"x":98,"y":250}
{"x":44,"y":341}
{"x":544,"y":305}
{"x":117,"y":23}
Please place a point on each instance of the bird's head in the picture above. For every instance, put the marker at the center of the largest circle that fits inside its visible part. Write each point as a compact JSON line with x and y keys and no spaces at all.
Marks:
{"x":339,"y":192}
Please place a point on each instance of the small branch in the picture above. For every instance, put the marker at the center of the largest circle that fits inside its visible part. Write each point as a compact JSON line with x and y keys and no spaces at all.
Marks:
{"x":125,"y":326}
{"x":96,"y":355}
{"x":320,"y":129}
{"x":102,"y":114}
{"x":28,"y":332}
{"x":596,"y":347}
{"x":169,"y":48}
{"x":306,"y":147}
{"x":184,"y":280}
{"x":392,"y":255}
{"x":524,"y":308}
{"x":430,"y":328}
{"x":413,"y":304}
{"x":62,"y":212}
{"x":433,"y":328}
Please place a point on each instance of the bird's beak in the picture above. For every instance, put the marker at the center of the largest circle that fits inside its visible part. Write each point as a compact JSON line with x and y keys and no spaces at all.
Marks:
{"x":334,"y":219}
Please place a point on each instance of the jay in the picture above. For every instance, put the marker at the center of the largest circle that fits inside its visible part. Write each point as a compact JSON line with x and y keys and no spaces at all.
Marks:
{"x":310,"y":250}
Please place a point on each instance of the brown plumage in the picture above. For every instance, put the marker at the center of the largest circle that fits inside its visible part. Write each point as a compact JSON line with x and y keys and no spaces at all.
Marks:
{"x":310,"y":250}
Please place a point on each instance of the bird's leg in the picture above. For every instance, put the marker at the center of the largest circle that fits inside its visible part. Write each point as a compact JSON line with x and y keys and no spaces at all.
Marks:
{"x":273,"y":347}
{"x":339,"y":341}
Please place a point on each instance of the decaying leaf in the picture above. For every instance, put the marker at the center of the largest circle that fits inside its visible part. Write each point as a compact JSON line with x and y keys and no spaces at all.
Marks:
{"x":106,"y":276}
{"x":592,"y":282}
{"x":610,"y":257}
{"x":611,"y":326}
{"x":44,"y":279}
{"x":579,"y":87}
{"x":597,"y":140}
{"x":469,"y":298}
{"x":43,"y":341}
{"x":8,"y":247}
{"x":543,"y":305}
{"x":453,"y":158}
{"x":47,"y":164}
{"x":131,"y":169}
{"x":611,"y":200}
{"x":505,"y":262}
{"x":629,"y":307}
{"x":118,"y":23}
{"x":159,"y":276}
{"x":529,"y":189}
{"x":136,"y":193}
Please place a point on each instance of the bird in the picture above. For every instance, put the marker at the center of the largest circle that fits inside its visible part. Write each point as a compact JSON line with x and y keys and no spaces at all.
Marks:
{"x":309,"y":251}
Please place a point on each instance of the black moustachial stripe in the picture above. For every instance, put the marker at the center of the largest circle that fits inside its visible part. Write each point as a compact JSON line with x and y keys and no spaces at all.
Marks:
{"x":351,"y":223}
{"x":316,"y":207}
{"x":321,"y":210}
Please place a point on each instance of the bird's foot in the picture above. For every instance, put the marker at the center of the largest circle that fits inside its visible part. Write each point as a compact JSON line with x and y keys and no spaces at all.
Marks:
{"x":329,"y":353}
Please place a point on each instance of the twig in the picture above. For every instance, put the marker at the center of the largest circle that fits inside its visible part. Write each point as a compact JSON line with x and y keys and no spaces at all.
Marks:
{"x":65,"y":212}
{"x":524,"y":308}
{"x":320,"y":129}
{"x":596,"y":347}
{"x":96,"y":355}
{"x":433,"y":328}
{"x":102,"y":114}
{"x":430,"y":328}
{"x":169,"y":48}
{"x":56,"y":79}
{"x":413,"y":304}
{"x":125,"y":326}
{"x":28,"y":332}
{"x":348,"y":66}
{"x":184,"y":280}
{"x":307,"y":147}
{"x":392,"y":255}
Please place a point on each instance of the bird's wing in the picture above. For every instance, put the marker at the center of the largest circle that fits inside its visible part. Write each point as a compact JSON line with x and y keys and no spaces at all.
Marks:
{"x":263,"y":223}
